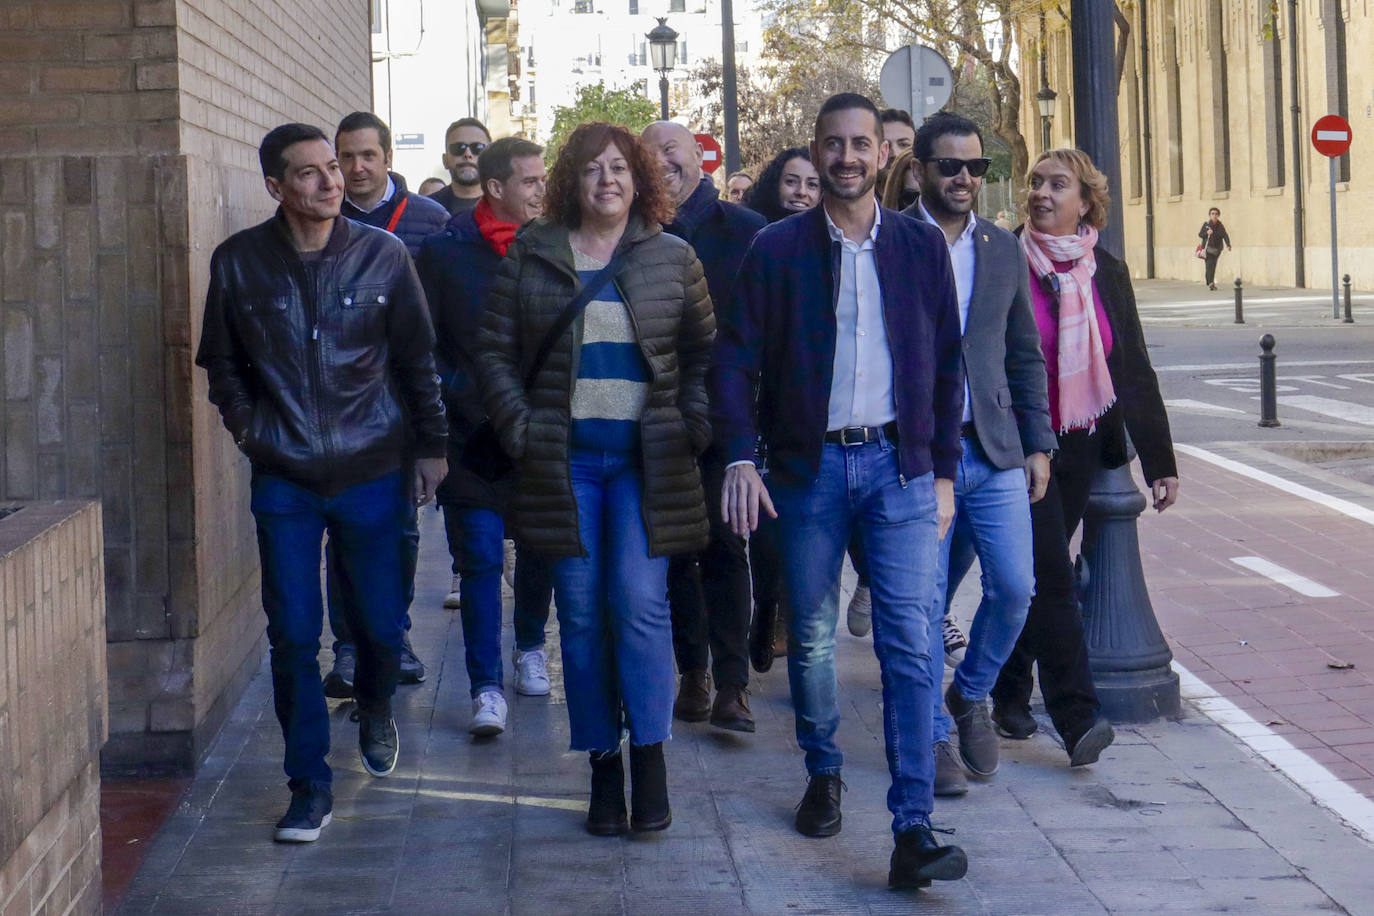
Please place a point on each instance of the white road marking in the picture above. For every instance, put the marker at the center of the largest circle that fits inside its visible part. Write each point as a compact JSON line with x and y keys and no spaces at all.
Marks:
{"x":1190,"y":404}
{"x":1254,"y":364}
{"x":1341,"y":410}
{"x":1285,"y":577}
{"x":1345,"y":507}
{"x":1230,"y":302}
{"x":1313,"y":778}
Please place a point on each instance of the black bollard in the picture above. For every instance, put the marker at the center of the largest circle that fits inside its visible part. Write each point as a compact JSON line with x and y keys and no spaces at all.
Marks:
{"x":1269,"y":402}
{"x":1127,"y":652}
{"x":1349,"y":318}
{"x":1240,"y":311}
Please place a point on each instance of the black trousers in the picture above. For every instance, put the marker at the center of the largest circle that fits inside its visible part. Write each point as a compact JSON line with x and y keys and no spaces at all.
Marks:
{"x":1211,"y":262}
{"x":708,"y":594}
{"x":1052,"y":638}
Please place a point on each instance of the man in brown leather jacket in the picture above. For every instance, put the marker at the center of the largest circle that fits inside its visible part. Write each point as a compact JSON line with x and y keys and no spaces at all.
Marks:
{"x":318,"y":347}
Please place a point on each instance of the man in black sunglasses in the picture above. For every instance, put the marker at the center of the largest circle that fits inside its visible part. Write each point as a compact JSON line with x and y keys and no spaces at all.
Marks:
{"x":1006,"y":438}
{"x":463,"y":143}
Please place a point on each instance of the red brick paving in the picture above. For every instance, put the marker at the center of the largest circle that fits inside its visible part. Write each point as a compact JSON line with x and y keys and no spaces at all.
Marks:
{"x":1261,"y":645}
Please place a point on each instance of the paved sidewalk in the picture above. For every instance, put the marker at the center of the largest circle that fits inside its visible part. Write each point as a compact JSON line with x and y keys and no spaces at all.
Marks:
{"x":1182,"y":303}
{"x":1176,"y":817}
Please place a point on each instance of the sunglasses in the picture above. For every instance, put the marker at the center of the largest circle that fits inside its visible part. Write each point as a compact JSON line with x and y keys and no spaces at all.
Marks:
{"x":458,"y":149}
{"x":977,"y":168}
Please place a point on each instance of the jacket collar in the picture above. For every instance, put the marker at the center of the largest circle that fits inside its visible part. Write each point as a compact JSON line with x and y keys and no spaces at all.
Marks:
{"x":550,"y":241}
{"x":338,"y":235}
{"x":696,"y":209}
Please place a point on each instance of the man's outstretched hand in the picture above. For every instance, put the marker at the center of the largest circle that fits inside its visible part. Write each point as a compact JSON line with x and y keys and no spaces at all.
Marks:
{"x":743,"y":497}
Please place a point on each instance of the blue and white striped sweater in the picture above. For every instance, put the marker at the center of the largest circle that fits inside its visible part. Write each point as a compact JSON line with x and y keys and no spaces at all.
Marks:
{"x":612,"y":382}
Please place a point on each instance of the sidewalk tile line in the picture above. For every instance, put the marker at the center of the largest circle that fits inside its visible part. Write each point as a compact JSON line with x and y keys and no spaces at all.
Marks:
{"x":1285,"y":577}
{"x":1316,"y":780}
{"x":1345,"y":507}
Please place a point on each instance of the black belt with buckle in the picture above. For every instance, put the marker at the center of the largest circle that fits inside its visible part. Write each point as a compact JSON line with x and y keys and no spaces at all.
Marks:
{"x":968,"y":431}
{"x":862,"y":435}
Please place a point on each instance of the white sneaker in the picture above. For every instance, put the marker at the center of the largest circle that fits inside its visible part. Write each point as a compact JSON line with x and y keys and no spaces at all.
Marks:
{"x":860,"y":616}
{"x":955,"y":643}
{"x":508,"y":563}
{"x":454,"y":600}
{"x":532,"y":673}
{"x":488,"y":713}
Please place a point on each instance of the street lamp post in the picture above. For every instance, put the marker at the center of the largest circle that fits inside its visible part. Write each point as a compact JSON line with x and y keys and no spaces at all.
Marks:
{"x":663,"y":54}
{"x":1045,"y":100}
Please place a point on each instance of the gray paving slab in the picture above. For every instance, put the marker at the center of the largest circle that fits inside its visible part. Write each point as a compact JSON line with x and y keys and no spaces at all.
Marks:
{"x":1176,"y":817}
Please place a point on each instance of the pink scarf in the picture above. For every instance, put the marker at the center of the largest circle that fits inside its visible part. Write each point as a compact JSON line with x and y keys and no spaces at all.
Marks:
{"x":1085,"y":385}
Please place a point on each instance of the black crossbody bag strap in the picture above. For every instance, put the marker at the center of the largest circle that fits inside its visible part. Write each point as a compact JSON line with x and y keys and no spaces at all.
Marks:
{"x":565,"y":319}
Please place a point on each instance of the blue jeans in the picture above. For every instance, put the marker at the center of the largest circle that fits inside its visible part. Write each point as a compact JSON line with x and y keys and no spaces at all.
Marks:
{"x":533,"y":595}
{"x":478,"y":536}
{"x":340,"y":595}
{"x":613,"y":611}
{"x":858,"y":489}
{"x":365,"y":523}
{"x":992,"y":515}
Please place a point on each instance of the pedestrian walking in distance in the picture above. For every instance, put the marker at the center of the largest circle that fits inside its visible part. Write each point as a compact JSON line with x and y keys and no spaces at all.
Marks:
{"x":319,"y":351}
{"x":592,"y":358}
{"x":1100,"y":385}
{"x":841,"y":348}
{"x":1212,"y":235}
{"x":1006,"y":437}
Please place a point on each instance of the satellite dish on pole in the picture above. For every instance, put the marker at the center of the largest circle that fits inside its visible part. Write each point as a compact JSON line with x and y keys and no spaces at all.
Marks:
{"x":917,"y":80}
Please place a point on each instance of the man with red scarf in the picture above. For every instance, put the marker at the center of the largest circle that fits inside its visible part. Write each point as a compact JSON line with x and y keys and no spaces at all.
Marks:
{"x":456,"y":266}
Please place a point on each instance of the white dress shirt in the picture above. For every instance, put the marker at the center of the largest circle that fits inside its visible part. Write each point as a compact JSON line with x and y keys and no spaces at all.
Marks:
{"x":963,"y":256}
{"x":861,"y":389}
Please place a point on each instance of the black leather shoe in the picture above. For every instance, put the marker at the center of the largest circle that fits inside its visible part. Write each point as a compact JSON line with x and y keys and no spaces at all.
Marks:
{"x":918,"y":860}
{"x":606,"y":813}
{"x":819,"y":811}
{"x":1014,"y":722}
{"x":1090,"y":745}
{"x":378,"y":743}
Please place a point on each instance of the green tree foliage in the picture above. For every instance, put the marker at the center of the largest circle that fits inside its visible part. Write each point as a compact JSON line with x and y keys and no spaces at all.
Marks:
{"x":628,"y":107}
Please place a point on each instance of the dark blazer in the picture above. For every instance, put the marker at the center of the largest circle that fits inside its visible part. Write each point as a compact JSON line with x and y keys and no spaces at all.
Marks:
{"x":777,"y":336}
{"x":456,"y":268}
{"x":719,"y":232}
{"x":421,"y":218}
{"x":1002,"y":360}
{"x":1139,"y":407}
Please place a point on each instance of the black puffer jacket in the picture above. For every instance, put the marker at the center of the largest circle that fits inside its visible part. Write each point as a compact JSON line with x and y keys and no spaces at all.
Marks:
{"x":322,"y":375}
{"x":662,"y":283}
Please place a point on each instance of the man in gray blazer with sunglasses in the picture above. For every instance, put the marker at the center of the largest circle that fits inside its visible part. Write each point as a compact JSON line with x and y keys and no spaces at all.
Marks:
{"x":1006,"y":438}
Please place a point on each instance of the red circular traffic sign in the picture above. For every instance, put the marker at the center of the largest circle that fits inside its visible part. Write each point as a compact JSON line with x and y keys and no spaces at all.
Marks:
{"x":710,"y":152}
{"x":1331,"y":136}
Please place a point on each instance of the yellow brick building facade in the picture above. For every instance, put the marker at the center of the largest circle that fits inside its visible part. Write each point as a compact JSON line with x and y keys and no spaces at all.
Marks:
{"x":1217,"y":129}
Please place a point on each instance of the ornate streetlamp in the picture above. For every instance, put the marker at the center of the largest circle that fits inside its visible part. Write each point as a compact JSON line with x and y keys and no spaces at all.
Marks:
{"x":663,"y":55}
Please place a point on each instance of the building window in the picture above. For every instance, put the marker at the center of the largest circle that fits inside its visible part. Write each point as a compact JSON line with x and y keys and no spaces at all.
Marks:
{"x":1173,"y":100}
{"x":741,"y":47}
{"x":1272,"y":54}
{"x":1221,"y":118}
{"x":1337,"y":88}
{"x":681,"y":53}
{"x":634,"y":7}
{"x":376,"y":17}
{"x":1133,"y":122}
{"x":583,"y":6}
{"x":677,"y":6}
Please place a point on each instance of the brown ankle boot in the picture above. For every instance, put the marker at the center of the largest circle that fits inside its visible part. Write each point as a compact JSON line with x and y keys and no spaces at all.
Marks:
{"x":693,"y":697}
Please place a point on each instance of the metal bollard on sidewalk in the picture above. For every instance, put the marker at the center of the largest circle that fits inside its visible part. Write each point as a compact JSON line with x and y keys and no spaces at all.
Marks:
{"x":1269,"y":402}
{"x":1349,"y":318}
{"x":1240,"y":311}
{"x":1127,"y":651}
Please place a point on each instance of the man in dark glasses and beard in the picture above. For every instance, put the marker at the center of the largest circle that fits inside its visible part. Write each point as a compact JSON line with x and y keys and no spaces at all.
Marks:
{"x":463,"y":143}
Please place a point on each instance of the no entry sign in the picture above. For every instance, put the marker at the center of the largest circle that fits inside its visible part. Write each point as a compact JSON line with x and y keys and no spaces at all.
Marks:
{"x":710,"y":152}
{"x":1331,"y":136}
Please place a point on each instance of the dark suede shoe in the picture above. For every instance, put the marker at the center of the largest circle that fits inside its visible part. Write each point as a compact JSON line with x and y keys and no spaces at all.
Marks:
{"x":378,"y":743}
{"x":606,"y":813}
{"x":917,"y":860}
{"x":649,"y":808}
{"x":1090,"y":745}
{"x":977,"y":741}
{"x":819,"y":811}
{"x":309,"y":813}
{"x":731,"y":709}
{"x":1014,"y":722}
{"x":693,"y":697}
{"x":949,"y":774}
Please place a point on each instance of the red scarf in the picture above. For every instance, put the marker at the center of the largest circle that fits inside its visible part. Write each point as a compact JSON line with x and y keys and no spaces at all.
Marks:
{"x":499,"y":234}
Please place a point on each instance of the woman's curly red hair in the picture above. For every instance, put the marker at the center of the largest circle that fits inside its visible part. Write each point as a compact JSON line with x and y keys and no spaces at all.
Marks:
{"x":562,"y":200}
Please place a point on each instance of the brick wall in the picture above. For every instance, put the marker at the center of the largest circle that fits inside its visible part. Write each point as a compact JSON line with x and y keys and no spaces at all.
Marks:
{"x":52,"y":707}
{"x":128,"y":136}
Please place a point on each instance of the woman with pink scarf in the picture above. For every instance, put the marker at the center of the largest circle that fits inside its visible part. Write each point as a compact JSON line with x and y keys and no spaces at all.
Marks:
{"x":1101,"y":384}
